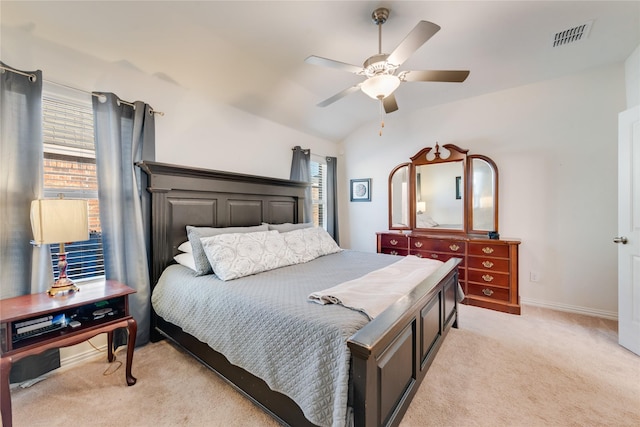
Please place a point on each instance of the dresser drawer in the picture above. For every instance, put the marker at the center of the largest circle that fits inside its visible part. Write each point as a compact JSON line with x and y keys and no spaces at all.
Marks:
{"x":489,"y":249}
{"x":394,"y":251}
{"x":394,"y":241}
{"x":489,"y":264}
{"x":488,"y":277}
{"x":444,"y":257}
{"x":437,"y":245}
{"x":486,"y":291}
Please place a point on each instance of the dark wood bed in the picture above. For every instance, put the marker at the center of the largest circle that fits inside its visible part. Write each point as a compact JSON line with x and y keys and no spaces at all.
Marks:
{"x":390,"y":355}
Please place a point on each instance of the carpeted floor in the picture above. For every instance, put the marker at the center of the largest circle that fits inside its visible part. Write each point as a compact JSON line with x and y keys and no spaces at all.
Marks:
{"x":543,"y":368}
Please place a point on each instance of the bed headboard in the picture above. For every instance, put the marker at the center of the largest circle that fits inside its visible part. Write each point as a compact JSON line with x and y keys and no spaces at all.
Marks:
{"x":182,"y":196}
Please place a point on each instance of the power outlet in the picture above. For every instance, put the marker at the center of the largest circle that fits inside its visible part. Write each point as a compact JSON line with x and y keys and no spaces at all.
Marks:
{"x":534,"y":276}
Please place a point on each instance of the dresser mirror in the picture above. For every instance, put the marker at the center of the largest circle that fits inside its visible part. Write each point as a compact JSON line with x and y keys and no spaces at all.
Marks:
{"x":439,"y":196}
{"x":444,"y":190}
{"x":484,"y":195}
{"x":399,"y":198}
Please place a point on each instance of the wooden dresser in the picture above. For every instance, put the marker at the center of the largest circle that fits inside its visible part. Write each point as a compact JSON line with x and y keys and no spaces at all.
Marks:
{"x":488,"y":271}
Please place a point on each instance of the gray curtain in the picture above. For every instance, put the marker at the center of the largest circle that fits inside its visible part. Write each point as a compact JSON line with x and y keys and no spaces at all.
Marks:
{"x":24,"y":268}
{"x":125,"y":135}
{"x":301,"y":171}
{"x":332,"y":198}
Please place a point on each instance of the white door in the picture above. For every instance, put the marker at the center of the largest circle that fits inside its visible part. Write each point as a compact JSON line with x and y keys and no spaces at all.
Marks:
{"x":628,"y":238}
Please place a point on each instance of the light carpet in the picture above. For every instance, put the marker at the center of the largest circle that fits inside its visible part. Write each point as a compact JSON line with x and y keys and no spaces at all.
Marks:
{"x":543,"y":368}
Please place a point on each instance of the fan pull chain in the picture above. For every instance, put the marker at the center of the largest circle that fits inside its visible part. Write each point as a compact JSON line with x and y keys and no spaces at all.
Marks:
{"x":381,"y":116}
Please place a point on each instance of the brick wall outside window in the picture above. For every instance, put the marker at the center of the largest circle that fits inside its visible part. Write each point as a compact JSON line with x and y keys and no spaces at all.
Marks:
{"x":74,"y":173}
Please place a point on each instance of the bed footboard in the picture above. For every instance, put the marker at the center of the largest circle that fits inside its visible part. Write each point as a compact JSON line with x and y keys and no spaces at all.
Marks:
{"x":391,"y":354}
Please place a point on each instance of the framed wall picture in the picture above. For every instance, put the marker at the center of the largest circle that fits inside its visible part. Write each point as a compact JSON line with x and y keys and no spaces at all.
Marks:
{"x":361,"y":190}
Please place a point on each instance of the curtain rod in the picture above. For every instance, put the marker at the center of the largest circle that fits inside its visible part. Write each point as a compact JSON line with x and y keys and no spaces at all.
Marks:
{"x":32,"y":77}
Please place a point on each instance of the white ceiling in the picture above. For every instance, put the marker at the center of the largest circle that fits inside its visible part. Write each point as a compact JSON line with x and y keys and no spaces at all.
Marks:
{"x":251,"y":54}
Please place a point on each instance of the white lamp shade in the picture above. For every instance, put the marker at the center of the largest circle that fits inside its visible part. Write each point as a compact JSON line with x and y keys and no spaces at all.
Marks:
{"x":59,"y":221}
{"x":380,"y":86}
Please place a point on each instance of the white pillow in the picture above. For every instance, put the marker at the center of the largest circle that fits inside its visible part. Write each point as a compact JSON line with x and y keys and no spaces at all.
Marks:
{"x":326,"y":244}
{"x":287,"y":226}
{"x":196,"y":233}
{"x":242,"y":254}
{"x":186,"y":259}
{"x":310,"y":243}
{"x":185,"y":247}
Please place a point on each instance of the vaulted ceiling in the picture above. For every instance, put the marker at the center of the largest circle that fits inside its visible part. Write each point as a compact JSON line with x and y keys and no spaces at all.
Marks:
{"x":250,"y":54}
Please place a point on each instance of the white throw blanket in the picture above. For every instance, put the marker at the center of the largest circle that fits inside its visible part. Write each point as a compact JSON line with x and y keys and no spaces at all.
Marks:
{"x":375,"y":291}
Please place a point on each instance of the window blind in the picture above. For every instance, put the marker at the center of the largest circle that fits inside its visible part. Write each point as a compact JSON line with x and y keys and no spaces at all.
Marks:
{"x":70,"y":170}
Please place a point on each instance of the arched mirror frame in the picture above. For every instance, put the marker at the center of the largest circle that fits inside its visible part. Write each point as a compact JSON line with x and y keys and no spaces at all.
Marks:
{"x":469,"y":194}
{"x":432,"y":155}
{"x":404,"y":201}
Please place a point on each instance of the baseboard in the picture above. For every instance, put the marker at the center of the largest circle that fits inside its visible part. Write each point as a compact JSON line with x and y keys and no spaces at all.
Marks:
{"x":570,"y":308}
{"x":77,"y":358}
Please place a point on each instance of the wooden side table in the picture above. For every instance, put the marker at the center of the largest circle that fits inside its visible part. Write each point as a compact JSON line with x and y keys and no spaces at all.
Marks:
{"x":31,"y":324}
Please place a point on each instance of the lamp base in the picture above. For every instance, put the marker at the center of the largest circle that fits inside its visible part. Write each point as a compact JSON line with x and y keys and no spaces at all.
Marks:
{"x":62,"y":285}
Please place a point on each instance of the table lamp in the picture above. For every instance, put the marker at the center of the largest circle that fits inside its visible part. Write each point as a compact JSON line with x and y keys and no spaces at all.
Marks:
{"x":60,"y":221}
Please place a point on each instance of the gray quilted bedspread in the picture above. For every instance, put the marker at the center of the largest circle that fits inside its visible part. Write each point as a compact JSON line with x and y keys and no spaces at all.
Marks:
{"x":265,"y":324}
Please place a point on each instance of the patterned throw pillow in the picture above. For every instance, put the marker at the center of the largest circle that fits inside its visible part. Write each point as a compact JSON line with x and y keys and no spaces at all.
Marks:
{"x":239,"y":255}
{"x":310,"y":243}
{"x":196,"y":233}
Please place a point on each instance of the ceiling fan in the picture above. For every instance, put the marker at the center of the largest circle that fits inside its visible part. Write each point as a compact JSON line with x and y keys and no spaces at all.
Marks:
{"x":380,"y":69}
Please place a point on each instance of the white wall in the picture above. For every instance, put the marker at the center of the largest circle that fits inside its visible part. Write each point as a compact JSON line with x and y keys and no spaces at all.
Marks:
{"x":195,"y":131}
{"x":555,"y":144}
{"x":632,"y":74}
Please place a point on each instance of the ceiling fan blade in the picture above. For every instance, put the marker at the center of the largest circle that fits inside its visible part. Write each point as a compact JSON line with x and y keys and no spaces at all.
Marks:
{"x":435,"y":76}
{"x":339,"y":95}
{"x":324,"y":62}
{"x":390,"y":104}
{"x":416,"y":38}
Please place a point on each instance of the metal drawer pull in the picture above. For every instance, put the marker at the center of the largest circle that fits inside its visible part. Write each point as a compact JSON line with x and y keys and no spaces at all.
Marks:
{"x":419,"y":255}
{"x":487,"y":292}
{"x":418,"y":244}
{"x":487,"y":278}
{"x":487,"y":250}
{"x":454,"y":247}
{"x":487,"y":264}
{"x":434,"y":255}
{"x":393,"y":242}
{"x":393,"y":253}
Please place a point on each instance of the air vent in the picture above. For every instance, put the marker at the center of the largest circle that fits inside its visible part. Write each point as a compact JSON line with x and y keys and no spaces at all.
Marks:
{"x":572,"y":35}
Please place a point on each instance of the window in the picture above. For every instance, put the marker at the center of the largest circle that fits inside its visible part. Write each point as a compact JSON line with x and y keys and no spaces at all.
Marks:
{"x":319,"y":190}
{"x":70,"y":170}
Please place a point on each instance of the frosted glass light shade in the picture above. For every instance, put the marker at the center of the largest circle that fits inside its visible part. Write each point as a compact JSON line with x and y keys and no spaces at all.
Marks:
{"x":59,"y":221}
{"x":380,"y":86}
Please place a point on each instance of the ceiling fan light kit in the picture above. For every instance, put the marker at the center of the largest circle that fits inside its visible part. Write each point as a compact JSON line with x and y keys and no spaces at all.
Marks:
{"x":380,"y":86}
{"x":380,"y":69}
